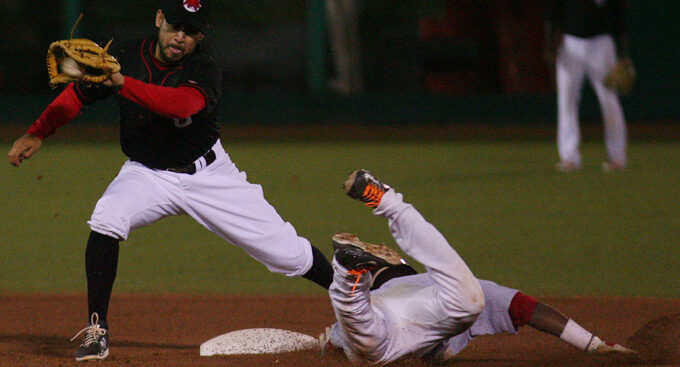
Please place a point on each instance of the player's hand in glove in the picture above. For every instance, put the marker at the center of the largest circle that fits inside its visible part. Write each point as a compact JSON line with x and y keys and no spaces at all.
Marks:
{"x":23,"y":148}
{"x":622,"y":77}
{"x":116,"y":80}
{"x":79,"y":59}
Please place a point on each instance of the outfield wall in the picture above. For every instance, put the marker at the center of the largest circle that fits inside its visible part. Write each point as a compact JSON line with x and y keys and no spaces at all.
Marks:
{"x":384,"y":108}
{"x":263,"y":50}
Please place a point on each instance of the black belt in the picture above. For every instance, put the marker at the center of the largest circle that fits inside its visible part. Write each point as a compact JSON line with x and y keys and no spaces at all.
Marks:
{"x":191,"y":168}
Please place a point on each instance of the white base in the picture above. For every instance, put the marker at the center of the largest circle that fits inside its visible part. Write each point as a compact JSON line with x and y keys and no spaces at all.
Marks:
{"x":258,"y":341}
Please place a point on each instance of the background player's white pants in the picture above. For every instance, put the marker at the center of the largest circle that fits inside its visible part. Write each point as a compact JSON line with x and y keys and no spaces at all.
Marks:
{"x":576,"y":59}
{"x":405,"y":318}
{"x":218,"y":197}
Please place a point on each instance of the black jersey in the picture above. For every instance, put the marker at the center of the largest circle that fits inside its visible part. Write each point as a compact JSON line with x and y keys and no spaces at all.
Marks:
{"x":151,"y":139}
{"x":588,"y":18}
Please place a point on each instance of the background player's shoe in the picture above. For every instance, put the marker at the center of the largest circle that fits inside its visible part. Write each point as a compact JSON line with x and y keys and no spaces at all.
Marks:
{"x":95,"y":344}
{"x":363,"y":186}
{"x":567,"y":167}
{"x":354,"y":254}
{"x":612,"y":166}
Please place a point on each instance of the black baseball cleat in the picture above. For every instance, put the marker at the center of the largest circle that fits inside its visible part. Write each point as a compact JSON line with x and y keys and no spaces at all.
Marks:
{"x":363,"y":186}
{"x":95,"y":344}
{"x":354,"y":254}
{"x":380,"y":276}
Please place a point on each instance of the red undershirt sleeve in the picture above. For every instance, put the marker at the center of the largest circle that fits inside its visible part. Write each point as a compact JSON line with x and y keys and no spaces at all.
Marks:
{"x":521,"y":309}
{"x":180,"y":102}
{"x":63,"y":109}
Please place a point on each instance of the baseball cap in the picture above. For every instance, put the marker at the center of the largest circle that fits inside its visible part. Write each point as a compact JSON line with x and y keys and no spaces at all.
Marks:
{"x":191,"y":12}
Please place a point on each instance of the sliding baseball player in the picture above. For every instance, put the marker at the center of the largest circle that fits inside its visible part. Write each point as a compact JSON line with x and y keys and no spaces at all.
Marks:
{"x":386,"y":311}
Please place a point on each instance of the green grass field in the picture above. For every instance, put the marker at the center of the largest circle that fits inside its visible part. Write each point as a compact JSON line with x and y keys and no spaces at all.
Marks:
{"x":501,"y":205}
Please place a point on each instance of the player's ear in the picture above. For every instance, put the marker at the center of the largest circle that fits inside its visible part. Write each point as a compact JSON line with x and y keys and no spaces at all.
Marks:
{"x":159,"y":18}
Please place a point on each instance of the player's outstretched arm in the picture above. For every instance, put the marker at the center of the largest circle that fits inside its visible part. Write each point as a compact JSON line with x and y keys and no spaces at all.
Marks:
{"x":23,"y":148}
{"x":551,"y":321}
{"x":174,"y":102}
{"x":547,"y":319}
{"x":62,"y":110}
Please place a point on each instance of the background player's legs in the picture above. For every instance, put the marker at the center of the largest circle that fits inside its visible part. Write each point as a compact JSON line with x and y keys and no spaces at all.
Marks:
{"x":459,"y":291}
{"x":601,"y":61}
{"x":615,"y":133}
{"x":570,"y":73}
{"x":364,"y":329}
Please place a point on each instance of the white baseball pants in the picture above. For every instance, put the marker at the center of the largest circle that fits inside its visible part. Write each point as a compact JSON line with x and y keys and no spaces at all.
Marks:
{"x":217,"y":196}
{"x":495,"y":319}
{"x":403,"y":317}
{"x":576,"y":59}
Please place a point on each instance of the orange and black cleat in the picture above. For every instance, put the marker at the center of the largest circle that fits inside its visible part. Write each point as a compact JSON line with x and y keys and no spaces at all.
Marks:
{"x":363,"y":186}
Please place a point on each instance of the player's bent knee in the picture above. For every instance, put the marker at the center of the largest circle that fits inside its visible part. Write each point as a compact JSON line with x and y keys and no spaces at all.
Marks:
{"x":110,"y":218}
{"x":117,"y":231}
{"x":465,"y":307}
{"x":471,"y":300}
{"x":476,"y":303}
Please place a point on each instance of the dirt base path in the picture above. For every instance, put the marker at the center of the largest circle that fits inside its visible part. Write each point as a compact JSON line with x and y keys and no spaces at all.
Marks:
{"x":166,"y":330}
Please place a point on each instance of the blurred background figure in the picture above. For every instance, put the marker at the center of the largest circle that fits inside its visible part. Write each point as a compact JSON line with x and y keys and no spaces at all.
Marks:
{"x":586,"y":38}
{"x":345,"y":43}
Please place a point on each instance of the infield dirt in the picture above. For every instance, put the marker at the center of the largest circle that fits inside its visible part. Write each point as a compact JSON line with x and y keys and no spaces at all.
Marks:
{"x":167,"y":330}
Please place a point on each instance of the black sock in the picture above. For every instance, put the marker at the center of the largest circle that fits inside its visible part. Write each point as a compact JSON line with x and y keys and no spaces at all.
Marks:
{"x":321,"y":271}
{"x":101,"y":263}
{"x":390,"y":273}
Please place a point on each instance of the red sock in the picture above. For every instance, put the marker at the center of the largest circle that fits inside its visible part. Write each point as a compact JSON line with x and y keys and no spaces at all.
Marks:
{"x":521,"y":308}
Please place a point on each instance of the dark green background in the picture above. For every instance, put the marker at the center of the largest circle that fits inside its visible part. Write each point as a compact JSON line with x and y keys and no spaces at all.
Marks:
{"x":278,"y":92}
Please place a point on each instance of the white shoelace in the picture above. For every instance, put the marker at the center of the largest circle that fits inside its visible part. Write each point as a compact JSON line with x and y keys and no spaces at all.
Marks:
{"x":92,"y":332}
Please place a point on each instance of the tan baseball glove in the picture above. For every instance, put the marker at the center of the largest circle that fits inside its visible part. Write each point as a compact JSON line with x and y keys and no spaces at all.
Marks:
{"x":79,"y":59}
{"x":622,"y":77}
